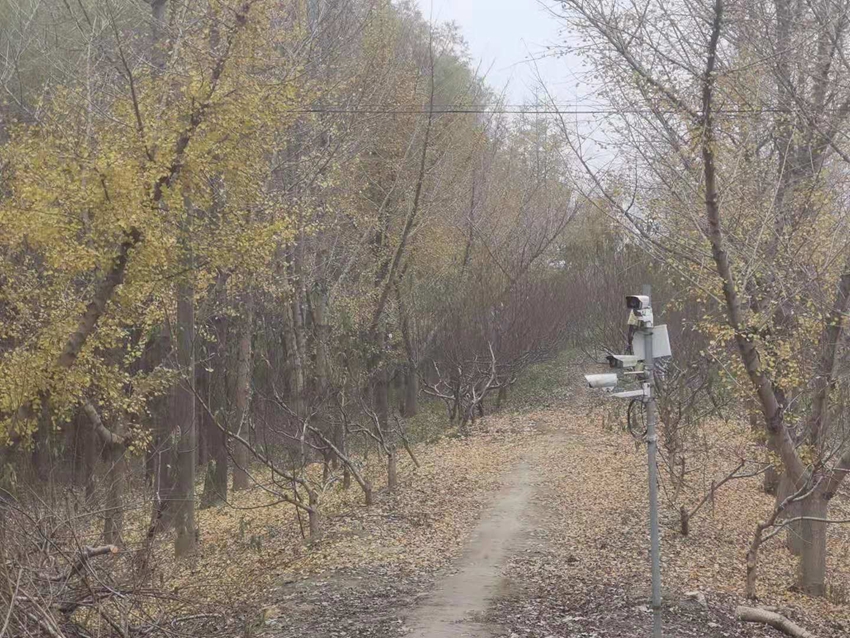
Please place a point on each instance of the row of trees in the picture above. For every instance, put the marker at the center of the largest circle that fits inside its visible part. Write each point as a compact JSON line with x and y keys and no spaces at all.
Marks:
{"x":237,"y":235}
{"x":244,"y":235}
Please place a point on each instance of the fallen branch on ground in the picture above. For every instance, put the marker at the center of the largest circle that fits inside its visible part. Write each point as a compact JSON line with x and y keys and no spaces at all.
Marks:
{"x":82,"y":558}
{"x":752,"y":614}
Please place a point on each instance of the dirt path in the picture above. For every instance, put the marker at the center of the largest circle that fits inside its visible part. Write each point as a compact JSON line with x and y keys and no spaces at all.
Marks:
{"x":456,"y":606}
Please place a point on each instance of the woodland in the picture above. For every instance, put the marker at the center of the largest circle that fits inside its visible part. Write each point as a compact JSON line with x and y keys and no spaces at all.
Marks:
{"x":292,"y":303}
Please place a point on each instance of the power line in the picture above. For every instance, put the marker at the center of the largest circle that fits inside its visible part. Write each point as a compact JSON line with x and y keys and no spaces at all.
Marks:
{"x":461,"y":110}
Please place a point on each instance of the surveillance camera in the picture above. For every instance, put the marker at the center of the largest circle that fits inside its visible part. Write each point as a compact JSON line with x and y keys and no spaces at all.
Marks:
{"x":605,"y":381}
{"x":637,"y":302}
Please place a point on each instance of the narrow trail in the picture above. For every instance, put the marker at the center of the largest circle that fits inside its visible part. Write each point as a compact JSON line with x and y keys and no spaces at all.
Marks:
{"x":455,"y":607}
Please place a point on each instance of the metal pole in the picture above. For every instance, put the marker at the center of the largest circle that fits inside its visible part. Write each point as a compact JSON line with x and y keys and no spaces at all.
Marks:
{"x":652,"y":446}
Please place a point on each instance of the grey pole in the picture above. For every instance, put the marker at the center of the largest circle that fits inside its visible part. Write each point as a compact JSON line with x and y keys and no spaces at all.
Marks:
{"x":652,"y":447}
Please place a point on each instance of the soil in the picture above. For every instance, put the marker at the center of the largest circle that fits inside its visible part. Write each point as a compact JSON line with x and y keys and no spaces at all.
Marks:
{"x":459,"y":603}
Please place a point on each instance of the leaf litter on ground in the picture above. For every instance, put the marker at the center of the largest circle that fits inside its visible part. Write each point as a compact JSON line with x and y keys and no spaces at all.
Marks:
{"x":583,"y":571}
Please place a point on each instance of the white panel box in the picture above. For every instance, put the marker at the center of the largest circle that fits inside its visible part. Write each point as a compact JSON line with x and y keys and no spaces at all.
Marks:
{"x":660,"y":344}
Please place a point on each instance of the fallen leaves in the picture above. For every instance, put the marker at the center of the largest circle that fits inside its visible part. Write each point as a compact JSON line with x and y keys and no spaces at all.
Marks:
{"x":583,"y":569}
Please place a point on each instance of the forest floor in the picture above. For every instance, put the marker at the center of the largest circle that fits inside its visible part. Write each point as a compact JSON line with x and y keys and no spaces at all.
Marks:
{"x":533,"y":527}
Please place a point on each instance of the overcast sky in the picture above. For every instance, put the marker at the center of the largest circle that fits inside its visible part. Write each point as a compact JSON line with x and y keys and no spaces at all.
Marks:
{"x":503,"y":35}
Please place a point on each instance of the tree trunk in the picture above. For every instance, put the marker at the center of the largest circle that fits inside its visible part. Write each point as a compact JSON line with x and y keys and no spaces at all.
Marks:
{"x":813,"y":554}
{"x":165,"y":475}
{"x":392,"y":469}
{"x":41,"y":449}
{"x":411,"y":391}
{"x":300,"y":344}
{"x":411,"y":378}
{"x":319,"y":303}
{"x":397,"y":386}
{"x":501,"y":397}
{"x":243,"y":398}
{"x":771,"y":481}
{"x":294,"y":360}
{"x":202,"y":393}
{"x":314,"y":516}
{"x":341,"y":442}
{"x":380,"y":397}
{"x":215,"y":484}
{"x":86,"y":457}
{"x":793,"y":531}
{"x":184,"y":418}
{"x":113,"y":521}
{"x":772,"y":477}
{"x":753,"y":563}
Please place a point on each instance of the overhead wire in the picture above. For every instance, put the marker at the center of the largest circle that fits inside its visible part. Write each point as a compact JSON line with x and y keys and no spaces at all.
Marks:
{"x":502,"y":110}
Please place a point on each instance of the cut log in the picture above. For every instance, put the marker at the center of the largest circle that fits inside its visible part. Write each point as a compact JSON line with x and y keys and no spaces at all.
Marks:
{"x":752,"y":614}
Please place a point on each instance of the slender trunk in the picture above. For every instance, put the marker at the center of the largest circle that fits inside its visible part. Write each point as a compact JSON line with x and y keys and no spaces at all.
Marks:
{"x":341,"y":442}
{"x":221,"y":462}
{"x":793,"y":532}
{"x":380,"y":397}
{"x":319,"y":305}
{"x":41,"y":449}
{"x":747,"y":349}
{"x":410,"y":453}
{"x":80,"y":446}
{"x":158,"y":53}
{"x":752,"y":563}
{"x":314,"y":516}
{"x":165,"y":475}
{"x":777,"y":429}
{"x":218,"y":402}
{"x":86,"y":444}
{"x":215,"y":483}
{"x":411,"y":390}
{"x":202,"y":389}
{"x":300,"y":343}
{"x":90,"y":466}
{"x":813,"y":555}
{"x":243,"y":398}
{"x":184,"y":416}
{"x":294,"y":360}
{"x":501,"y":397}
{"x":88,"y":321}
{"x":389,"y":280}
{"x":113,"y":521}
{"x":202,"y":378}
{"x":298,"y":338}
{"x":392,"y":469}
{"x":772,"y":478}
{"x":411,"y":378}
{"x":397,"y":386}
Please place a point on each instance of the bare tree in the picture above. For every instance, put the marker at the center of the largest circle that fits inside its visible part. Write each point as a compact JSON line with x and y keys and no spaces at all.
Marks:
{"x":689,"y":76}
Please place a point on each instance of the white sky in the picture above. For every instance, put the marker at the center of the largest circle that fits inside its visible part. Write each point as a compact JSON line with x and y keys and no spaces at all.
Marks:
{"x":503,"y":36}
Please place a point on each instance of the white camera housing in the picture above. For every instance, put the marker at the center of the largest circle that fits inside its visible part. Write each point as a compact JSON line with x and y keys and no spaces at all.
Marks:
{"x":605,"y":381}
{"x":637,"y":302}
{"x":639,"y":306}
